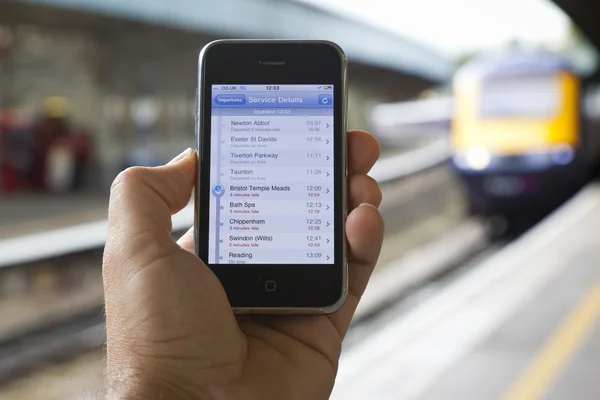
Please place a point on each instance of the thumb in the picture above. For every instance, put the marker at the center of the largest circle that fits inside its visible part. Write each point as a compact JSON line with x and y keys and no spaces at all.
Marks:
{"x":142,"y":201}
{"x":168,"y":317}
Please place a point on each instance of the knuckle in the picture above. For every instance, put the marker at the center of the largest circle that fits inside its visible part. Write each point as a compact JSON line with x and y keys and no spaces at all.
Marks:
{"x":374,"y":184}
{"x":130,"y":176}
{"x":375,"y":188}
{"x":369,"y":188}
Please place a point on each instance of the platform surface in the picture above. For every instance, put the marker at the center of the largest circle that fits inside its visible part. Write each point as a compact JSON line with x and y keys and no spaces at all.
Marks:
{"x":524,"y":324}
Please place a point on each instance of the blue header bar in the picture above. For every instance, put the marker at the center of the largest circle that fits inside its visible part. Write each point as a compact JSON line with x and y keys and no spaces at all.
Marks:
{"x":273,"y":100}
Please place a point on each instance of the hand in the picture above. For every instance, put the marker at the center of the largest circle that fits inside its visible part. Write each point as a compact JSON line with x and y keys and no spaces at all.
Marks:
{"x":171,"y":333}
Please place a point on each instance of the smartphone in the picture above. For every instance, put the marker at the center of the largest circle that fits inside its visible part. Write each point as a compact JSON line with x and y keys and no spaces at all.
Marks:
{"x":271,"y":191}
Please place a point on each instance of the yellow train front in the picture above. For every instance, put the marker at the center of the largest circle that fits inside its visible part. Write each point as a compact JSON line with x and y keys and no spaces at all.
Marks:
{"x":520,"y":144}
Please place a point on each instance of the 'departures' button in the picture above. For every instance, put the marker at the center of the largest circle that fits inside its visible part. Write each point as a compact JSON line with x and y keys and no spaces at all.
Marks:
{"x":230,"y":99}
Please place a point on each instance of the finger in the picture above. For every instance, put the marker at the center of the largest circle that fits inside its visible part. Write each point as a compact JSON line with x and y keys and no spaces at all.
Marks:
{"x":363,"y":189}
{"x":364,"y":230}
{"x":363,"y":152}
{"x":142,"y":201}
{"x":186,"y":241}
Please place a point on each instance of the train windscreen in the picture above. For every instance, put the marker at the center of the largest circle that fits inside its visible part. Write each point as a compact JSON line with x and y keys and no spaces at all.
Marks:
{"x":521,"y":97}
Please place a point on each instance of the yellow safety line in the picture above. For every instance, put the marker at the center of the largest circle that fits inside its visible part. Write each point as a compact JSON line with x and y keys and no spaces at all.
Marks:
{"x":554,"y":357}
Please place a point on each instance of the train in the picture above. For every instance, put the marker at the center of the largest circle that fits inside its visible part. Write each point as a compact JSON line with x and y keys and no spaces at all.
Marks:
{"x":523,"y":140}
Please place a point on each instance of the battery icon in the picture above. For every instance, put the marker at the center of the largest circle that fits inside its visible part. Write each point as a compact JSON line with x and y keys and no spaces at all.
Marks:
{"x":326,"y":87}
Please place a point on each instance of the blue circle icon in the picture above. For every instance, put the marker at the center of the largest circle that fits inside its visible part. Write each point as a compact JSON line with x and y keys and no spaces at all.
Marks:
{"x":218,"y":190}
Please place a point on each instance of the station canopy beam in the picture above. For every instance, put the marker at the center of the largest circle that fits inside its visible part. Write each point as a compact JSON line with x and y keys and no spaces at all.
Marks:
{"x":285,"y":19}
{"x":584,"y":14}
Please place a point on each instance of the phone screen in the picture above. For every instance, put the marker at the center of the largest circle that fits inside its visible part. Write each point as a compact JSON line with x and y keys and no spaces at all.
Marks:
{"x":272,"y":174}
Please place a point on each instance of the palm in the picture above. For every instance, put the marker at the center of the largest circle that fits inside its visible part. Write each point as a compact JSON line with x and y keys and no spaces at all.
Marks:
{"x":246,"y":356}
{"x":294,"y":357}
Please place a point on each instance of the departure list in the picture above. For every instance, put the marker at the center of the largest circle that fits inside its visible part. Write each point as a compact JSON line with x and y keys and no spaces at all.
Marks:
{"x":272,"y":184}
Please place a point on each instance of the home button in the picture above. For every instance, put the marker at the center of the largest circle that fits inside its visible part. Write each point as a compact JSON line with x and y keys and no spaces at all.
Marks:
{"x":270,"y":286}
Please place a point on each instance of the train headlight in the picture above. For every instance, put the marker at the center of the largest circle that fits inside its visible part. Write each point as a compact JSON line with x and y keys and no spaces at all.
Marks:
{"x":478,"y":159}
{"x":562,"y":154}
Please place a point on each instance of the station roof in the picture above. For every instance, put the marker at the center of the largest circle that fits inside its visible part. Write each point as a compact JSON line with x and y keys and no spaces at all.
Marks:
{"x":277,"y":19}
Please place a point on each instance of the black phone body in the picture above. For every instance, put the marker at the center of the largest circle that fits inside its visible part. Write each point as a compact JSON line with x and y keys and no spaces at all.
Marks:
{"x":271,"y":195}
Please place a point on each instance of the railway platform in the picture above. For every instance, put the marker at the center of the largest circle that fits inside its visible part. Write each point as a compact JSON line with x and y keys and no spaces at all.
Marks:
{"x":524,"y":324}
{"x":24,"y":214}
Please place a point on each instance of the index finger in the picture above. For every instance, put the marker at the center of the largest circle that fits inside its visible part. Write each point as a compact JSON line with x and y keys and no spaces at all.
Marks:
{"x":363,"y":152}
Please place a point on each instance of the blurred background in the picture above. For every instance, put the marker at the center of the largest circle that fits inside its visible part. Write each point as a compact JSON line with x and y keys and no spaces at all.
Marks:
{"x":487,"y":112}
